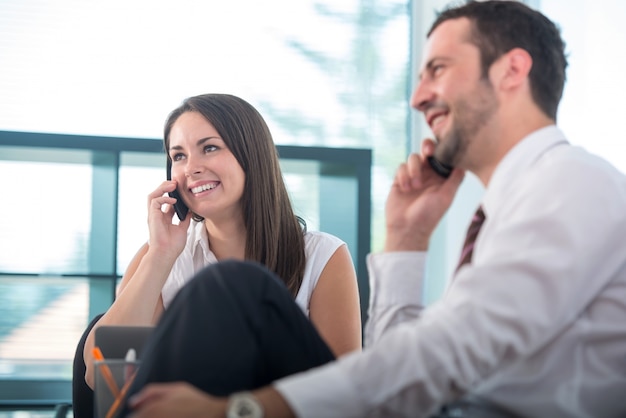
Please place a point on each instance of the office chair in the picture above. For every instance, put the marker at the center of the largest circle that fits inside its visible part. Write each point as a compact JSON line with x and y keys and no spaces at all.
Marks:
{"x":82,"y":395}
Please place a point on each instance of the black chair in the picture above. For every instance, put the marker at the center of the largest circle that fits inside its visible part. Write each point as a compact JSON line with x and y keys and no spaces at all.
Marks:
{"x":82,"y":395}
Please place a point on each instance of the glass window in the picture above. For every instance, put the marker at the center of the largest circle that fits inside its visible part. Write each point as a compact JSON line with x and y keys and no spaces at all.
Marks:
{"x":41,"y":320}
{"x":140,"y":174}
{"x":45,"y":229}
{"x":117,"y":68}
{"x":46,"y":212}
{"x":44,"y":307}
{"x":322,"y":73}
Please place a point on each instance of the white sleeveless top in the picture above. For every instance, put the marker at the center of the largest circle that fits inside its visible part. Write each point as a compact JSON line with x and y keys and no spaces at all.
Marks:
{"x":318,"y":248}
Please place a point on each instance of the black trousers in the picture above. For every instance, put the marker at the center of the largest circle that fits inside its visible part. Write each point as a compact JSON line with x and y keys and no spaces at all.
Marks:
{"x":233,"y":327}
{"x":236,"y":327}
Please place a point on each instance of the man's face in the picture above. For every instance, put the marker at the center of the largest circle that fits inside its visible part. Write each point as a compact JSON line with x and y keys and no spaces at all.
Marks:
{"x":456,"y":100}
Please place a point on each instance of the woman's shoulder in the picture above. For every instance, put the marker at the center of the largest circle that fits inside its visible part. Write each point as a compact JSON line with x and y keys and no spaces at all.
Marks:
{"x":319,"y":238}
{"x":319,"y":248}
{"x":321,"y":245}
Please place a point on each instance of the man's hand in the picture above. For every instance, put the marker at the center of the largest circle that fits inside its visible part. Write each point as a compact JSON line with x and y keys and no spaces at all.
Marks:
{"x":179,"y":399}
{"x":418,"y":199}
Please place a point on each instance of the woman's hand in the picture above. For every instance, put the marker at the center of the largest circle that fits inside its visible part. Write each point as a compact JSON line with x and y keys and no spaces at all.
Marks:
{"x":166,"y":238}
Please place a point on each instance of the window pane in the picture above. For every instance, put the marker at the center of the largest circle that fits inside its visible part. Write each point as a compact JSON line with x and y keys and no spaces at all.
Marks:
{"x":45,"y":220}
{"x":302,"y":179}
{"x":41,"y":321}
{"x":140,"y":174}
{"x":330,"y":73}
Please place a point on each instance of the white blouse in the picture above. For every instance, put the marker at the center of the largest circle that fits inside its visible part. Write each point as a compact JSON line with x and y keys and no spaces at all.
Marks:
{"x":319,"y":247}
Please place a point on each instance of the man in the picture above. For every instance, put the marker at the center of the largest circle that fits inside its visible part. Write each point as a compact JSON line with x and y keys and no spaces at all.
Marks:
{"x":535,"y":324}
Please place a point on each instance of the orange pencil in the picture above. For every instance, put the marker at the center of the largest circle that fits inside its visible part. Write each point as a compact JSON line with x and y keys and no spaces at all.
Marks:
{"x":106,"y":372}
{"x":121,"y":396}
{"x":129,"y":375}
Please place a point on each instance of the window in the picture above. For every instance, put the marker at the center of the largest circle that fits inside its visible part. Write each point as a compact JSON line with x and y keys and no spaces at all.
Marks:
{"x":85,"y":220}
{"x":327,"y":73}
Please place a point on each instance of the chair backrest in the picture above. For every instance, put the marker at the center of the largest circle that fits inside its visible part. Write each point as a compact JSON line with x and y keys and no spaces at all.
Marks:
{"x":82,"y":395}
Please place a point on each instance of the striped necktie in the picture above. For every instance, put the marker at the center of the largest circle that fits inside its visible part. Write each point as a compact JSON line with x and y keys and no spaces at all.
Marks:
{"x":470,"y":238}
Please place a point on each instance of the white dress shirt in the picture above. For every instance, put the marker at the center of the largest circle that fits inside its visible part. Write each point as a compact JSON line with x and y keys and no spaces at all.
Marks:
{"x":536,"y":324}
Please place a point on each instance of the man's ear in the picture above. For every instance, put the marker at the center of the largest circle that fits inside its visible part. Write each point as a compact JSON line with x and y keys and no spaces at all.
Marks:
{"x":512,"y":69}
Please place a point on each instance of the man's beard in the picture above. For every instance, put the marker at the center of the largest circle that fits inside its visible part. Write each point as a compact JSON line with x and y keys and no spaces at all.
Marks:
{"x":470,"y":117}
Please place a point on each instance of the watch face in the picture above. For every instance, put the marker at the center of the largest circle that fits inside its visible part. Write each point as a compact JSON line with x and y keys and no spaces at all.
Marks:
{"x":244,"y":405}
{"x":245,"y":409}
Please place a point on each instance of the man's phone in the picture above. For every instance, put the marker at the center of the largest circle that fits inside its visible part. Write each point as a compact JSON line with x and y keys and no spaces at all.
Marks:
{"x":179,"y":207}
{"x":440,"y":168}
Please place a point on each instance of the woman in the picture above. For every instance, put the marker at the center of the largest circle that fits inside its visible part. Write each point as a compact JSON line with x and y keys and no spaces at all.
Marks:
{"x":225,"y":169}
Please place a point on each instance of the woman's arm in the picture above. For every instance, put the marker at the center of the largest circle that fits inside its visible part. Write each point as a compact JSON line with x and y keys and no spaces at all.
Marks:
{"x":139,"y":301}
{"x":334,"y":308}
{"x":130,"y":272}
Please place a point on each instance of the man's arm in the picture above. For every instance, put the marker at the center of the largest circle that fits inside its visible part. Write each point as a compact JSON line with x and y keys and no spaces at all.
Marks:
{"x":396,"y":284}
{"x":417,"y":201}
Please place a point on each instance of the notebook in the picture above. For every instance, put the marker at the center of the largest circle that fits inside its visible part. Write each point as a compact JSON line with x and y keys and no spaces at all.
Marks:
{"x":115,"y":340}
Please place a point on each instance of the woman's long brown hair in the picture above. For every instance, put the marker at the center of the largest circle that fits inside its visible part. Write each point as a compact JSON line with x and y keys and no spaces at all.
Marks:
{"x":274,"y":234}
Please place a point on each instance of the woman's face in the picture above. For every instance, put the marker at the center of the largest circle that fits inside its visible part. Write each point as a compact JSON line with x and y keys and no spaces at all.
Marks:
{"x":208,"y":176}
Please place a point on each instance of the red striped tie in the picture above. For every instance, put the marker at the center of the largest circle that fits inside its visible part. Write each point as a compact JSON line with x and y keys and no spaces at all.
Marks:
{"x":470,"y":238}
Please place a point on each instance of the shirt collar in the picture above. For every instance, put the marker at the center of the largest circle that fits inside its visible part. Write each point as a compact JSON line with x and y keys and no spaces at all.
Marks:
{"x":517,"y":161}
{"x":199,"y":239}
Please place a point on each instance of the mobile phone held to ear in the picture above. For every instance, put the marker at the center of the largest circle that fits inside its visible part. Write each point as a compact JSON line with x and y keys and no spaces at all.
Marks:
{"x":179,"y":207}
{"x":440,"y":168}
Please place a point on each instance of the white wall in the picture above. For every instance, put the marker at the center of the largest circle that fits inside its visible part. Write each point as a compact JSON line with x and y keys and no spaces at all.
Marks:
{"x":592,"y":110}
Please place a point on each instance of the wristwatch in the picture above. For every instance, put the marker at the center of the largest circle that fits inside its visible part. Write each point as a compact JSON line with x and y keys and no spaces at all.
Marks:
{"x":243,"y":405}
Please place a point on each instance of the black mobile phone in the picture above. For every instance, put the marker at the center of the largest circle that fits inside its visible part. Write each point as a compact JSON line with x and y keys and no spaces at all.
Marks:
{"x":179,"y":207}
{"x":440,"y":168}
